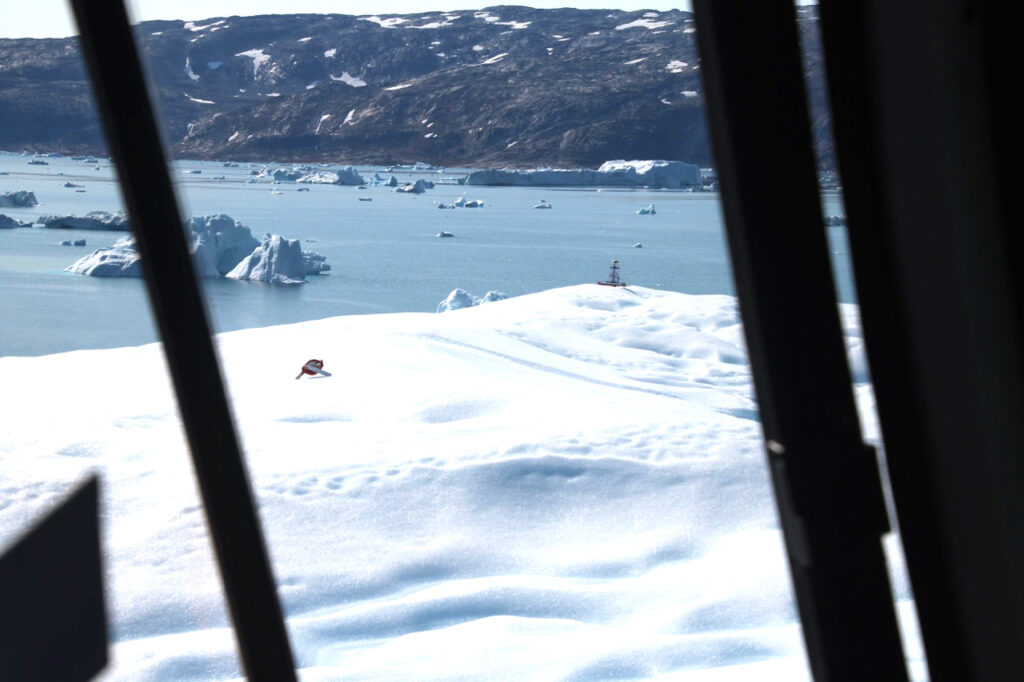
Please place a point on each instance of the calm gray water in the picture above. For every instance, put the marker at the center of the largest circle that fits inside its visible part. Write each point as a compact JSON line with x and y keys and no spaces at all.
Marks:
{"x":385,"y":254}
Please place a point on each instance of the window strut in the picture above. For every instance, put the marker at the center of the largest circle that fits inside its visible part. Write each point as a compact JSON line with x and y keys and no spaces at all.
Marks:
{"x":826,"y":480}
{"x":128,"y":118}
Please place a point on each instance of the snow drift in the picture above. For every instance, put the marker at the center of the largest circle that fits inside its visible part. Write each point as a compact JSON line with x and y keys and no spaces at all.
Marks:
{"x":562,"y":485}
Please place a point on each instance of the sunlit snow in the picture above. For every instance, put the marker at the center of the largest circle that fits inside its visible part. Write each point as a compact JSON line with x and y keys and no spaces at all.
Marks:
{"x":188,"y":70}
{"x":349,"y":79}
{"x":495,"y":59}
{"x":191,"y":26}
{"x":562,"y":485}
{"x":390,"y":22}
{"x":643,"y":23}
{"x":258,"y":57}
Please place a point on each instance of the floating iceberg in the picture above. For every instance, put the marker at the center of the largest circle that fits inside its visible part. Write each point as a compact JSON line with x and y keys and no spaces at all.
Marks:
{"x":346,"y":176}
{"x":656,"y":174}
{"x":460,"y":298}
{"x":445,"y":234}
{"x":276,"y":260}
{"x":646,"y":210}
{"x":97,"y":220}
{"x":18,"y":199}
{"x":472,"y":203}
{"x":221,"y":247}
{"x":218,"y":244}
{"x":314,"y":263}
{"x":286,"y":174}
{"x":543,"y":204}
{"x":7,"y":222}
{"x":418,"y":187}
{"x":119,"y":260}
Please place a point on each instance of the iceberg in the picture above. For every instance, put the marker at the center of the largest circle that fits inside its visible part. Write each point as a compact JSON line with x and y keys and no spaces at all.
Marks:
{"x":314,"y":263}
{"x":119,"y":260}
{"x":418,"y":187}
{"x":20,"y":199}
{"x":221,"y":247}
{"x":346,"y":176}
{"x":218,"y":244}
{"x":276,"y":260}
{"x":390,"y":181}
{"x":96,"y":220}
{"x":460,"y":298}
{"x":647,"y":210}
{"x":655,"y":174}
{"x":472,"y":203}
{"x":7,"y":222}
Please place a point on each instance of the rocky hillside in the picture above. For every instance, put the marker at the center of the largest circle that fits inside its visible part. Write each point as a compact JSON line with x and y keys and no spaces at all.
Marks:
{"x":502,"y":86}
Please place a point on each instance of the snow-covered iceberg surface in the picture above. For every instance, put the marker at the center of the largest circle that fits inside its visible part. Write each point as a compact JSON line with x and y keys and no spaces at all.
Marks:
{"x":567,"y":485}
{"x":656,"y":174}
{"x":20,"y":199}
{"x":460,"y":298}
{"x":221,"y":247}
{"x":96,"y":220}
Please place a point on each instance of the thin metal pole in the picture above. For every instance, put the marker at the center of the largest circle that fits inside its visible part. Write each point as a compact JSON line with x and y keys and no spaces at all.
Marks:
{"x":130,"y":124}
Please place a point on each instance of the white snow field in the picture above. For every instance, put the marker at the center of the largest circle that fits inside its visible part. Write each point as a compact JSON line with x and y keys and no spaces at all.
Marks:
{"x":567,"y":485}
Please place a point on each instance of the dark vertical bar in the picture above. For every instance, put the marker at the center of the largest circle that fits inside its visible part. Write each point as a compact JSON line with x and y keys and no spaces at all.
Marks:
{"x":53,"y":620}
{"x":826,"y":480}
{"x":114,"y":67}
{"x":920,"y":117}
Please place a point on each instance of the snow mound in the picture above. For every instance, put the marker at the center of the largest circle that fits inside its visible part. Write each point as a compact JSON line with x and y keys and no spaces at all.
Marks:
{"x":569,"y":485}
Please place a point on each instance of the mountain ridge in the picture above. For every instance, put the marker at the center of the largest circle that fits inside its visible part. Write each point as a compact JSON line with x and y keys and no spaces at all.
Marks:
{"x":505,"y":85}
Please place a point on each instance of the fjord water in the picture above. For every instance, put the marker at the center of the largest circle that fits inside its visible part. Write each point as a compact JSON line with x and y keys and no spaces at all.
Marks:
{"x":385,"y":253}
